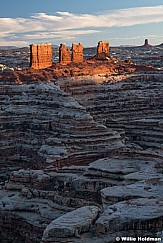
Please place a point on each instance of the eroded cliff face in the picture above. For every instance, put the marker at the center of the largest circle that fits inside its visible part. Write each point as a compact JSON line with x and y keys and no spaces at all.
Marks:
{"x":43,"y":121}
{"x":83,"y":157}
{"x":77,"y":53}
{"x":40,"y":56}
{"x":129,"y":103}
{"x":64,"y":55}
{"x":102,"y":49}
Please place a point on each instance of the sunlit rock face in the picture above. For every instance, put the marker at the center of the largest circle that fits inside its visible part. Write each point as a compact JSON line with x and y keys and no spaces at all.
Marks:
{"x":102,"y":49}
{"x":64,"y":55}
{"x":40,"y":56}
{"x":77,"y":53}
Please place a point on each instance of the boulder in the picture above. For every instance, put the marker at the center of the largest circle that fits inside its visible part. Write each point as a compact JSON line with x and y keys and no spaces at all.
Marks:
{"x":68,"y":225}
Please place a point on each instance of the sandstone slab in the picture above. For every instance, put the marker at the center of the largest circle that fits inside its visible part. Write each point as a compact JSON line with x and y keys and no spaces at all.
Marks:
{"x":67,"y":225}
{"x":137,"y":214}
{"x":111,"y":195}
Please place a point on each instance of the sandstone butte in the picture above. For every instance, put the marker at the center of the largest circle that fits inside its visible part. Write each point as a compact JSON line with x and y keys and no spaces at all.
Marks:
{"x":71,"y":64}
{"x":40,"y":56}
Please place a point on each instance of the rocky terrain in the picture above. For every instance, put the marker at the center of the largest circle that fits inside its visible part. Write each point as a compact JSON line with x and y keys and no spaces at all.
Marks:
{"x":133,"y":106}
{"x":91,"y":67}
{"x":144,"y":55}
{"x":81,"y":153}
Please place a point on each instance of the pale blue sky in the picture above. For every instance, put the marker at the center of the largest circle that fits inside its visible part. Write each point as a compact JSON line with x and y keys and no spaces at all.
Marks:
{"x":88,"y":21}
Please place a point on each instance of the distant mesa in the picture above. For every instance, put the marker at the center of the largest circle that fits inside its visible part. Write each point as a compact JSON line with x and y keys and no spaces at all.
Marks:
{"x":161,"y":45}
{"x":7,"y":47}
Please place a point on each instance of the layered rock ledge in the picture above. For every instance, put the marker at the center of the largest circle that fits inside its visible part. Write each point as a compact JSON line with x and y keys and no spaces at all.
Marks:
{"x":87,"y":67}
{"x":85,"y":154}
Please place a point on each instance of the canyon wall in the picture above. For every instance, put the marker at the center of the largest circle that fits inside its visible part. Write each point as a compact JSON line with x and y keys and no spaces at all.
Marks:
{"x":40,"y":56}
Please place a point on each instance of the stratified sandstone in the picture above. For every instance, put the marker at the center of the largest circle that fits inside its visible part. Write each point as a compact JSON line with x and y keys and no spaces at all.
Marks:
{"x":77,"y":53}
{"x":146,"y":189}
{"x":97,"y":124}
{"x":133,"y":106}
{"x":137,"y":214}
{"x":40,"y":56}
{"x":77,"y":221}
{"x":102,"y":48}
{"x":64,"y":55}
{"x":42,"y":203}
{"x":49,"y":125}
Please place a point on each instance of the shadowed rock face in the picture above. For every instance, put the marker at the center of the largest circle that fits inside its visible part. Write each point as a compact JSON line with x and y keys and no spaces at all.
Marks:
{"x":43,"y":202}
{"x":78,"y":220}
{"x":40,"y":122}
{"x":40,"y":56}
{"x":133,"y":106}
{"x":146,"y":42}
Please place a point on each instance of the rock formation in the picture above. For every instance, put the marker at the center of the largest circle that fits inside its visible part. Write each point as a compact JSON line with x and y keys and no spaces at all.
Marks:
{"x":37,"y":204}
{"x":64,"y":55}
{"x":77,"y":53}
{"x":102,"y":49}
{"x":81,"y":159}
{"x":50,"y":125}
{"x":77,"y":221}
{"x":146,"y":42}
{"x":132,"y":106}
{"x":40,"y":56}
